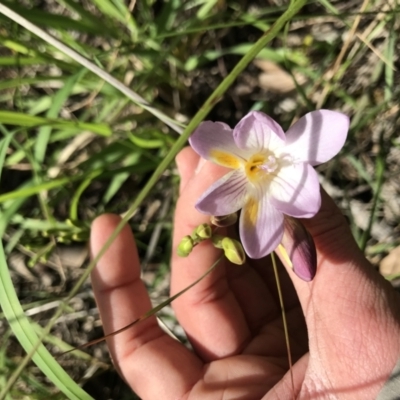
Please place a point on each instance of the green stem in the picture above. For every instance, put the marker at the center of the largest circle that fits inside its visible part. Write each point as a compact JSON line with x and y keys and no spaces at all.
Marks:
{"x":149,"y":313}
{"x":284,"y":321}
{"x":380,"y":175}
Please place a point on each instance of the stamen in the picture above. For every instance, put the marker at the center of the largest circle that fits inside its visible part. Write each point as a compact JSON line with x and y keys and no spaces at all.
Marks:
{"x":270,"y":165}
{"x":261,"y":166}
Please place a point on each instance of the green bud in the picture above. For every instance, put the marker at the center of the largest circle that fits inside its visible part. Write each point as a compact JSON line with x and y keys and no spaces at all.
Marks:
{"x":203,"y":231}
{"x":217,"y":241}
{"x":233,"y":250}
{"x":185,"y":246}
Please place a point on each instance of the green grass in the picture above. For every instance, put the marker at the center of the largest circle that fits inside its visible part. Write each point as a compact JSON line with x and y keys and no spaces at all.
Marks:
{"x":91,"y":123}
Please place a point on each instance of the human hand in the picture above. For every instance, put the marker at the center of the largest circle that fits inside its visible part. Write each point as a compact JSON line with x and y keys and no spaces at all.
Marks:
{"x":344,"y":325}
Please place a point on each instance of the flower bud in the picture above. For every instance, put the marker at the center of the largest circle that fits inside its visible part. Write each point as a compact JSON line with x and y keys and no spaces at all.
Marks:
{"x":217,"y":241}
{"x":185,"y":246}
{"x":224,"y":220}
{"x":233,"y":251}
{"x":300,"y":249}
{"x":202,"y":232}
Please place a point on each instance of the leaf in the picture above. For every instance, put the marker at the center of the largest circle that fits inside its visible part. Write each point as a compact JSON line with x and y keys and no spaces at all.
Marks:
{"x":28,"y":339}
{"x":58,"y":100}
{"x":21,"y":119}
{"x":30,"y":188}
{"x":146,"y":143}
{"x":4,"y":143}
{"x":48,"y":20}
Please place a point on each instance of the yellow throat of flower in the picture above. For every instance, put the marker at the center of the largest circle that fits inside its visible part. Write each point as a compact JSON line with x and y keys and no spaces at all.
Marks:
{"x":260,"y":167}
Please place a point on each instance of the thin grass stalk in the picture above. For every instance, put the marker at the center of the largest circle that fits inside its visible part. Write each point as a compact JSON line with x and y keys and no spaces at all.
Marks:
{"x":284,"y":321}
{"x":151,"y":312}
{"x":380,"y":178}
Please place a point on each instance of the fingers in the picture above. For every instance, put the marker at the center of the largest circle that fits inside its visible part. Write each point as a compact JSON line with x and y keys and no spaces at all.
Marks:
{"x":187,"y":162}
{"x":143,"y":353}
{"x":342,"y":267}
{"x":219,"y":313}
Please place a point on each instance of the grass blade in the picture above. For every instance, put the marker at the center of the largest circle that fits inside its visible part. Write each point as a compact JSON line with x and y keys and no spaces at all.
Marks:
{"x":21,"y":119}
{"x":28,"y":339}
{"x":59,"y":99}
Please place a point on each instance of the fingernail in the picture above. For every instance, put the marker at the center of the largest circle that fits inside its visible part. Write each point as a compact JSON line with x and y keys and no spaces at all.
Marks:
{"x":300,"y":249}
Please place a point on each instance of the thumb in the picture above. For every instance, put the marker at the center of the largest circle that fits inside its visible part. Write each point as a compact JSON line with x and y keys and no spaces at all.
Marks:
{"x":352,"y":313}
{"x":344,"y":276}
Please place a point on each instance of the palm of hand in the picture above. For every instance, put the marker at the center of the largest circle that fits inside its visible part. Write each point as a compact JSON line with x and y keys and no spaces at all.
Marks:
{"x":243,"y":347}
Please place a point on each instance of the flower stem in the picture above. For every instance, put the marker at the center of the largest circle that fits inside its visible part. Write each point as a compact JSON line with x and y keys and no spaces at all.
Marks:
{"x":285,"y":327}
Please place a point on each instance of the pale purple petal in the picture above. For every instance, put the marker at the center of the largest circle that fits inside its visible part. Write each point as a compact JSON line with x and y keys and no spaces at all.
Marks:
{"x":260,"y":227}
{"x":257,"y":132}
{"x":317,"y":136}
{"x":295,"y":191}
{"x":211,"y":137}
{"x":225,"y":196}
{"x":300,"y":247}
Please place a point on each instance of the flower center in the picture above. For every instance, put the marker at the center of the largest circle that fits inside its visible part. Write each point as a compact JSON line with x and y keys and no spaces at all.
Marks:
{"x":261,"y":166}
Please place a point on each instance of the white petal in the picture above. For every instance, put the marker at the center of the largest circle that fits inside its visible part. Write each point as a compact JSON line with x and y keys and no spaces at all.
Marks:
{"x":261,"y":227}
{"x":295,"y":191}
{"x":317,"y":136}
{"x":225,"y":196}
{"x":257,"y":131}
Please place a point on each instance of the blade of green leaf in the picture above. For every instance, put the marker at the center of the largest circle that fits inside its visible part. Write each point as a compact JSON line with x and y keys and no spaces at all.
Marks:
{"x":28,"y":339}
{"x":4,"y":143}
{"x":52,"y":20}
{"x":20,"y":60}
{"x":30,"y":188}
{"x":73,"y":211}
{"x":59,"y":99}
{"x":21,"y":119}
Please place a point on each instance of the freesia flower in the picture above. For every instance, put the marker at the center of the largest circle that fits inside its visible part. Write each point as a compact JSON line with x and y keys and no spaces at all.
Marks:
{"x":272,"y":172}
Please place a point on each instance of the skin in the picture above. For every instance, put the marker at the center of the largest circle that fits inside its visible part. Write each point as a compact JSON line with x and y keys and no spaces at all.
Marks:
{"x":344,"y":326}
